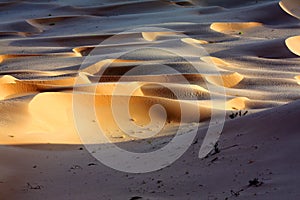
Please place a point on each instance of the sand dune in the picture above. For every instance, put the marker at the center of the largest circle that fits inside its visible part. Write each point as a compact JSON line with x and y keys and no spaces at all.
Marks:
{"x":7,"y":79}
{"x":12,"y":87}
{"x":298,"y":79}
{"x":42,"y":23}
{"x":66,"y":59}
{"x":19,"y":28}
{"x":234,"y":28}
{"x":270,"y":49}
{"x":59,"y":161}
{"x":194,"y":41}
{"x":55,"y":118}
{"x":228,"y":80}
{"x":291,"y":7}
{"x":152,"y":36}
{"x":292,"y":44}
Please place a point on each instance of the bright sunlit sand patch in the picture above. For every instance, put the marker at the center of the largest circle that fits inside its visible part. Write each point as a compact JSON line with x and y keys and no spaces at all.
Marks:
{"x":7,"y":79}
{"x":234,"y":27}
{"x":82,"y":51}
{"x":297,"y":79}
{"x":12,"y":87}
{"x":239,"y":103}
{"x":215,"y":61}
{"x":293,"y":43}
{"x":228,"y":79}
{"x":292,"y":7}
{"x":193,"y":41}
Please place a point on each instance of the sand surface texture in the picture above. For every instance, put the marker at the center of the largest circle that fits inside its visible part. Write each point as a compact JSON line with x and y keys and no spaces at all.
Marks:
{"x":249,"y":51}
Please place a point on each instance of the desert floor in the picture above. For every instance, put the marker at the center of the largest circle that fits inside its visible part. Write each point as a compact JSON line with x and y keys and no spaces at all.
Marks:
{"x":69,"y":67}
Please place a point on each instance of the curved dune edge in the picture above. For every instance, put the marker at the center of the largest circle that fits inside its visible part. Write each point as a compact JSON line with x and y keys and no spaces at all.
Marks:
{"x":111,"y":88}
{"x":38,"y":22}
{"x":64,"y":81}
{"x":227,"y":80}
{"x":12,"y":87}
{"x":150,"y":89}
{"x":164,"y":78}
{"x":214,"y":60}
{"x":292,"y":7}
{"x":184,"y":3}
{"x":44,"y":74}
{"x":139,"y":107}
{"x":12,"y":56}
{"x":38,"y":28}
{"x":21,"y":28}
{"x":5,"y":57}
{"x":293,"y":44}
{"x":58,"y":118}
{"x":239,"y":103}
{"x":14,"y":90}
{"x":298,"y":79}
{"x":60,"y":114}
{"x":44,"y":24}
{"x":7,"y":79}
{"x":83,"y":51}
{"x":51,"y":114}
{"x":16,"y":33}
{"x":55,"y":114}
{"x":153,"y":36}
{"x":175,"y":91}
{"x":9,"y":91}
{"x":234,"y":27}
{"x":94,"y":69}
{"x":193,"y":41}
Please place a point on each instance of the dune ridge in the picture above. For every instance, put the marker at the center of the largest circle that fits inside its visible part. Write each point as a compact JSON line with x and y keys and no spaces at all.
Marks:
{"x":291,"y":7}
{"x":61,"y":57}
{"x":236,"y":27}
{"x":237,"y":76}
{"x":292,"y":44}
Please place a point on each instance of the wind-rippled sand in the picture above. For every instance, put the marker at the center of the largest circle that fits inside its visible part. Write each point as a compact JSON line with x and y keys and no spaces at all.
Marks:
{"x":254,"y":45}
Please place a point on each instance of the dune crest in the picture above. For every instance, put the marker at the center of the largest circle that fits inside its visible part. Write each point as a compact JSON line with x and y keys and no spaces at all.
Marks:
{"x":7,"y":79}
{"x":234,"y":27}
{"x":41,"y":23}
{"x":214,"y":60}
{"x":292,"y":7}
{"x":152,"y":36}
{"x":83,"y":51}
{"x":193,"y":41}
{"x":298,"y":79}
{"x":239,"y":103}
{"x":12,"y":87}
{"x":62,"y":114}
{"x":228,"y":79}
{"x":293,"y":44}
